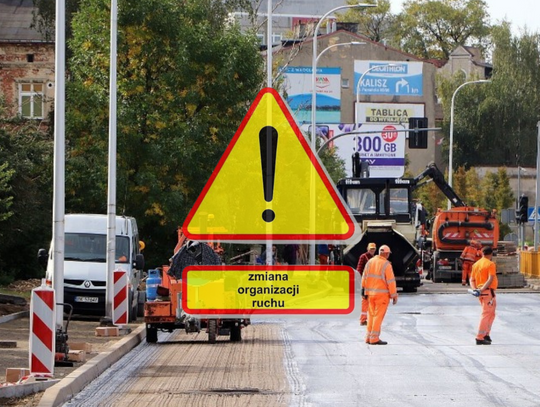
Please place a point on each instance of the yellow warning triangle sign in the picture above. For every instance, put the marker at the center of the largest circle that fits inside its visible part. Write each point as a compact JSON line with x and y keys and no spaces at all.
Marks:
{"x":269,"y":185}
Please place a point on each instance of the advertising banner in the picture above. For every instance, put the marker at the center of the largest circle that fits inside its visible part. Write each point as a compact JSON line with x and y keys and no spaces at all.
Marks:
{"x":297,"y":87}
{"x":399,"y":113}
{"x":380,"y":145}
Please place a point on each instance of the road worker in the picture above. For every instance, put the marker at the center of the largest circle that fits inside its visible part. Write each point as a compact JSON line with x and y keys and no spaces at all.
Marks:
{"x":484,"y":279}
{"x":470,"y":255}
{"x":378,"y":286}
{"x":362,"y":261}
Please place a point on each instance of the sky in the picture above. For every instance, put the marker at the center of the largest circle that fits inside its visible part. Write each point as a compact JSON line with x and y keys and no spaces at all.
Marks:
{"x":518,"y":12}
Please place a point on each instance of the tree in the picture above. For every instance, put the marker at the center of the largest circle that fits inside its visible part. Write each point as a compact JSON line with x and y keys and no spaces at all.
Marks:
{"x":376,"y":23}
{"x":186,"y":77}
{"x":433,"y":29}
{"x":25,"y":196}
{"x":497,"y":119}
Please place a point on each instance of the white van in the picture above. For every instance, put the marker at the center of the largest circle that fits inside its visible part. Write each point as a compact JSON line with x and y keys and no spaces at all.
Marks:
{"x":85,"y":262}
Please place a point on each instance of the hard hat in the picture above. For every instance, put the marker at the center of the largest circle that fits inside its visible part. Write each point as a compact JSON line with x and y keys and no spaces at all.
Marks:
{"x":141,"y":245}
{"x":371,"y":246}
{"x":384,"y":249}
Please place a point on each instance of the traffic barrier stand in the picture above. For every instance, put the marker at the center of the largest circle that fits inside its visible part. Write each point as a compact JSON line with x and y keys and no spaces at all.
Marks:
{"x":120,"y":301}
{"x":42,"y":330}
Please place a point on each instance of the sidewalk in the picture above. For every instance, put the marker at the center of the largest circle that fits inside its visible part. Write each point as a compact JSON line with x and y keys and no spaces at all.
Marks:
{"x":104,"y":351}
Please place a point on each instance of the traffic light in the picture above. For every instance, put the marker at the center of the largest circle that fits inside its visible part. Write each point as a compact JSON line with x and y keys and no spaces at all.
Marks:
{"x":418,"y":139}
{"x":523,"y":210}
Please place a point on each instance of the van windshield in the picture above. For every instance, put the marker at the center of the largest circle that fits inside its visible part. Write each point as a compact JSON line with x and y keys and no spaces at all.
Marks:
{"x":90,"y":247}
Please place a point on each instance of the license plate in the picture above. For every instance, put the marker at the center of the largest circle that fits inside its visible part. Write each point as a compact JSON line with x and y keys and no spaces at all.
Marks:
{"x":445,"y":267}
{"x":87,"y":299}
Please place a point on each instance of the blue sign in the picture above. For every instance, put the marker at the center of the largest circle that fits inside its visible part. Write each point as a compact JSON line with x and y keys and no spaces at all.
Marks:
{"x":392,"y":78}
{"x":531,"y":214}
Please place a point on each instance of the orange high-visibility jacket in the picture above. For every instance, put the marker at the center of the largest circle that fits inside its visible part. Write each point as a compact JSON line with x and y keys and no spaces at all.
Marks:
{"x":481,"y":271}
{"x":470,"y":253}
{"x":378,"y":278}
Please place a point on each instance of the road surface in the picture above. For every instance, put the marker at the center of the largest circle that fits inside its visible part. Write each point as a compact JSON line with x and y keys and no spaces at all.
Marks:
{"x":431,"y":360}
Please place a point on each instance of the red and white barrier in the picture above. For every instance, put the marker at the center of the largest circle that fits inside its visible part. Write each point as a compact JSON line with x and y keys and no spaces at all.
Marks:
{"x":42,"y":330}
{"x":120,"y":301}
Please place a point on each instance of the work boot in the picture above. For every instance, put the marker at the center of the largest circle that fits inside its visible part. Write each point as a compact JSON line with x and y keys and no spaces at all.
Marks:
{"x":482,"y":342}
{"x":487,"y":338}
{"x":379,"y":342}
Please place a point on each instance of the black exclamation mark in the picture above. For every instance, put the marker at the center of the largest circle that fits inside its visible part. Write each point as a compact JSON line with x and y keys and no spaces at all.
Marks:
{"x":268,"y":137}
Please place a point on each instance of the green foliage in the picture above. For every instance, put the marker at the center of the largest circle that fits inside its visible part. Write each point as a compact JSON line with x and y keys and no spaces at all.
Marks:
{"x":495,"y":123}
{"x":6,"y":199}
{"x":25,"y":196}
{"x":186,"y":78}
{"x":376,"y":23}
{"x":434,"y":28}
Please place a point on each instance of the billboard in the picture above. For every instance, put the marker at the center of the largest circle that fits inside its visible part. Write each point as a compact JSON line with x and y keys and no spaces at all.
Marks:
{"x":375,"y":113}
{"x":297,"y":87}
{"x":378,"y":78}
{"x":383,"y":147}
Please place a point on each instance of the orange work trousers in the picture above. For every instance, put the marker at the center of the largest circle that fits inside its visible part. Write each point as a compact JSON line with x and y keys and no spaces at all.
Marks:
{"x":466,"y":269}
{"x":377,"y":306}
{"x":363,"y":315}
{"x":489,"y":304}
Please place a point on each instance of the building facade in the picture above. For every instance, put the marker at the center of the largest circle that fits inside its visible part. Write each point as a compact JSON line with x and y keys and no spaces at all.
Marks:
{"x":406,"y":88}
{"x":26,"y":62}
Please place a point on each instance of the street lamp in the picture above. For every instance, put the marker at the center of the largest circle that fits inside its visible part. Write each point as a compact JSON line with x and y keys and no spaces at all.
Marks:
{"x":520,"y":227}
{"x":450,"y":169}
{"x":314,"y":69}
{"x":314,"y":89}
{"x":358,"y":88}
{"x":341,"y":44}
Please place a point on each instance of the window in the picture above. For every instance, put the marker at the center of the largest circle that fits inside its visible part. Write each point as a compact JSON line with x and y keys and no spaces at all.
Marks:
{"x":31,"y":100}
{"x":361,"y":200}
{"x":276,"y":38}
{"x":93,"y":248}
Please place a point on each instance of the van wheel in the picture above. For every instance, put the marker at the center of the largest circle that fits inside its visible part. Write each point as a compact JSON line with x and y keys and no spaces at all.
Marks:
{"x":151,"y":335}
{"x":212,"y":330}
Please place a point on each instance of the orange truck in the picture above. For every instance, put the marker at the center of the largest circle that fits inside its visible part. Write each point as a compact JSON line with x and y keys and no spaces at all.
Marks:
{"x":166,"y":313}
{"x":452,"y":230}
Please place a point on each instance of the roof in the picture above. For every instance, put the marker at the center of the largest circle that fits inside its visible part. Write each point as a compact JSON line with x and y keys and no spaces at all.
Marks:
{"x":15,"y":21}
{"x":360,"y":37}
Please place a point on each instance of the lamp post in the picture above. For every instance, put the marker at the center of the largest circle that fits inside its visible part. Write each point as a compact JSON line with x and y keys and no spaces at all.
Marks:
{"x":450,"y":169}
{"x":314,"y":68}
{"x":520,"y":226}
{"x":314,"y":89}
{"x":358,"y":88}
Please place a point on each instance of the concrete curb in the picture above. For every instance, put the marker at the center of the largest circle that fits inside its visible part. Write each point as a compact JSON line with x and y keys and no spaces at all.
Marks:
{"x":79,"y":378}
{"x":21,"y":390}
{"x":11,"y":317}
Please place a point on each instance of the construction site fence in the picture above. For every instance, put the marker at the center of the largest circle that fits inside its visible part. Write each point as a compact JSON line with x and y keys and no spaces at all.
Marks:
{"x":529,"y":263}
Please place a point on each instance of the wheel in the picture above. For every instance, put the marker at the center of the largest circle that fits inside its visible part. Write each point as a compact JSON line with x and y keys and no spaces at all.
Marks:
{"x":151,"y":334}
{"x":410,"y":289}
{"x":140,"y":304}
{"x":212,"y":330}
{"x":236,"y":333}
{"x":434,"y":274}
{"x":132,"y":309}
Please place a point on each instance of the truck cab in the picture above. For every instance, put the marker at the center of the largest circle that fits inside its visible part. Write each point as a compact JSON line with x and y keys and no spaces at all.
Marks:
{"x":386,"y":214}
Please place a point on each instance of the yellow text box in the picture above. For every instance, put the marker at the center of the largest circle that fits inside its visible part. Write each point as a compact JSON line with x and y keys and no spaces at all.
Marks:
{"x":268,"y":290}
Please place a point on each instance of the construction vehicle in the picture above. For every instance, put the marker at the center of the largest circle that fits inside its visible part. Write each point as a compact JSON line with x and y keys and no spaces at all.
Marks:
{"x":166,"y":313}
{"x":452,"y":230}
{"x":385,"y":212}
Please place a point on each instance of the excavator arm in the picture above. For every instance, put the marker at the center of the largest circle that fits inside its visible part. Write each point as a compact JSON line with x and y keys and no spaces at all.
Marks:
{"x":433,"y":172}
